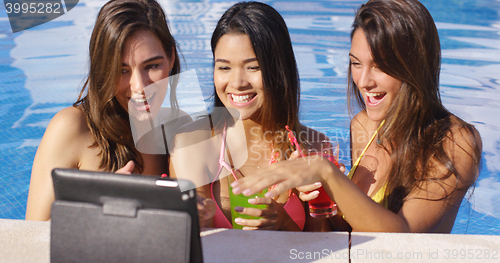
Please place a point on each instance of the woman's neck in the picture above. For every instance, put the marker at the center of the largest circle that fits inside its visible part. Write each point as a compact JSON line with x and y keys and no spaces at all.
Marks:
{"x":253,"y":131}
{"x":371,"y":125}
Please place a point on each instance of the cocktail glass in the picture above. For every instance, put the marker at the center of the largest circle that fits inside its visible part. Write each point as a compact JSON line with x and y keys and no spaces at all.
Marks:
{"x":322,"y":206}
{"x":241,"y":200}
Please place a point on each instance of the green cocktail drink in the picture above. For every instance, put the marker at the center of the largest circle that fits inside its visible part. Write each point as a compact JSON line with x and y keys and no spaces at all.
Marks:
{"x":241,"y":200}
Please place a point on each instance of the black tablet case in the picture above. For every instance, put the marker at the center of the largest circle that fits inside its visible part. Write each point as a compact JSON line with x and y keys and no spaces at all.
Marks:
{"x":106,"y":217}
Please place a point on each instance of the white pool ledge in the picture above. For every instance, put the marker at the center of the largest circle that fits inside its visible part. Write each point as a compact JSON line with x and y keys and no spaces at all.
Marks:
{"x":29,"y":241}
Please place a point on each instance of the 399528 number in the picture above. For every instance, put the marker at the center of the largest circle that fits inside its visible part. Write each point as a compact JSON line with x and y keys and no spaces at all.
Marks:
{"x":470,"y":254}
{"x":33,"y":8}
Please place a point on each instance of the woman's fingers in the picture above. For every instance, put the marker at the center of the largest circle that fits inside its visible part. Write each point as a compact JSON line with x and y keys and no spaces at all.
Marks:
{"x":309,"y":187}
{"x":260,"y":201}
{"x":206,"y":210}
{"x":295,"y":154}
{"x":253,"y":184}
{"x":127,"y":169}
{"x":266,"y":218}
{"x":248,"y":224}
{"x":308,"y":196}
{"x":262,"y":223}
{"x":285,"y":175}
{"x":308,"y":192}
{"x":274,"y":174}
{"x":342,"y":167}
{"x":210,"y":206}
{"x":250,"y":211}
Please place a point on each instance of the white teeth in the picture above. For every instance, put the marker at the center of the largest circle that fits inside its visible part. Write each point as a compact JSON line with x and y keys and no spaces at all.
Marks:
{"x":374,"y":94}
{"x":142,"y":99}
{"x":241,"y":99}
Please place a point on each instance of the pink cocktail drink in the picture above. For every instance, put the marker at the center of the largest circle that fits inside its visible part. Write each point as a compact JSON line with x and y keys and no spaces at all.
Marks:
{"x":322,"y":206}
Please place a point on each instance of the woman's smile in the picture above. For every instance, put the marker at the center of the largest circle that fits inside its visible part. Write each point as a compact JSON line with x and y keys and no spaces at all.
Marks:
{"x":242,"y":100}
{"x":142,"y":102}
{"x":374,"y":98}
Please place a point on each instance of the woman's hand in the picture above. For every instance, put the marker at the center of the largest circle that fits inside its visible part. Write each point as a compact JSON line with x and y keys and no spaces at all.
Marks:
{"x":287,"y":175}
{"x":308,"y":193}
{"x":273,"y":217}
{"x":206,"y":210}
{"x":127,"y":169}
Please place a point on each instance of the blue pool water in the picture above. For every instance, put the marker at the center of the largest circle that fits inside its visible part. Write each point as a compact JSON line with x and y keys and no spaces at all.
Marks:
{"x":41,"y":72}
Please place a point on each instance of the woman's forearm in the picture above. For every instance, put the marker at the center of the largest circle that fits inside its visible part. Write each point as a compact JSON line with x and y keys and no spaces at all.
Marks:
{"x":360,"y":211}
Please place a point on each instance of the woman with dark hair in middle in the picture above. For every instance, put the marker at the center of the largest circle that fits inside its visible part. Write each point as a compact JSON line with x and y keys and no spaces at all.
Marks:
{"x":413,"y":160}
{"x":256,"y":96}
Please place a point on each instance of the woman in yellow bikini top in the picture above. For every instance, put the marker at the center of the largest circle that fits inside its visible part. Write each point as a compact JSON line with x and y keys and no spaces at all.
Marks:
{"x":432,"y":156}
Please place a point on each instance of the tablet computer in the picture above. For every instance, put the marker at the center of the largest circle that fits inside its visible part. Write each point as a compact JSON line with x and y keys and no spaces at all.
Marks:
{"x":107,"y":217}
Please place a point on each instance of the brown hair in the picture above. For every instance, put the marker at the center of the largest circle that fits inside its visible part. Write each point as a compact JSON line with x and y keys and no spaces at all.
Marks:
{"x":271,"y":43}
{"x":404,"y":43}
{"x":108,"y":121}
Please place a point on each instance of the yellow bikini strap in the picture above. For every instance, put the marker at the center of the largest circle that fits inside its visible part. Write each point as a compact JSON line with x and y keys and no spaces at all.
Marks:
{"x":353,"y":168}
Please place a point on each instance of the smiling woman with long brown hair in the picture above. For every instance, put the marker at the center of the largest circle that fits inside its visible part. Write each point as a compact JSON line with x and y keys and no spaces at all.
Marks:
{"x":131,"y":47}
{"x":413,"y":161}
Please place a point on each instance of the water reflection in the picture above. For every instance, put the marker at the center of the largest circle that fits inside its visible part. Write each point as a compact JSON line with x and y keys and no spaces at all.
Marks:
{"x":470,"y":86}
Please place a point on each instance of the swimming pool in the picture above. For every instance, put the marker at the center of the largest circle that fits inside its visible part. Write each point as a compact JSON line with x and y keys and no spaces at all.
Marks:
{"x":41,"y":72}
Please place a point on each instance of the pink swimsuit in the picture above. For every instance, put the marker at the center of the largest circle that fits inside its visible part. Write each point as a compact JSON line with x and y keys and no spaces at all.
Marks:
{"x":293,"y":207}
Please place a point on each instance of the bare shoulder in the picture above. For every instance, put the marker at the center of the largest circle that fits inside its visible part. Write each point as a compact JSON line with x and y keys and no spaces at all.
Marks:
{"x":464,"y":134}
{"x":464,"y":146}
{"x":68,"y":124}
{"x":193,"y":132}
{"x":68,"y":133}
{"x":360,"y":135}
{"x":359,"y":121}
{"x":70,"y":119}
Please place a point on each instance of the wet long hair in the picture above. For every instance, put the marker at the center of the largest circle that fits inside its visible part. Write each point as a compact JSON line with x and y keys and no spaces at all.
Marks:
{"x":272,"y":46}
{"x":404,"y":44}
{"x":106,"y":118}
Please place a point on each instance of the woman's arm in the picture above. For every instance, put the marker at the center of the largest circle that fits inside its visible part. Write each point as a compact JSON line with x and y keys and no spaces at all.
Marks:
{"x":361,"y":212}
{"x":60,"y":147}
{"x":274,"y":217}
